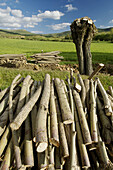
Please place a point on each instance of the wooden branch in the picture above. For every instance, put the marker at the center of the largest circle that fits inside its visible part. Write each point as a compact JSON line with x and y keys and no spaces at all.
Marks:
{"x":41,"y":132}
{"x":83,"y":152}
{"x":105,"y":122}
{"x":87,"y":87}
{"x":43,"y":160}
{"x":25,"y":110}
{"x":28,"y":145}
{"x":83,"y":121}
{"x":74,"y":163}
{"x":62,"y":135}
{"x":54,"y":139}
{"x":4,"y":103}
{"x":107,"y":105}
{"x":93,"y":116}
{"x":111,"y":91}
{"x":5,"y":165}
{"x":4,"y":140}
{"x":17,"y":151}
{"x":83,"y":90}
{"x":100,"y":66}
{"x":65,"y":108}
{"x":4,"y":117}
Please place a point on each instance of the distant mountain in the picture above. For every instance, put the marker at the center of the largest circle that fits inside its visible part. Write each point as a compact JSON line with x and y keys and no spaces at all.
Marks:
{"x":17,"y":32}
{"x":22,"y":32}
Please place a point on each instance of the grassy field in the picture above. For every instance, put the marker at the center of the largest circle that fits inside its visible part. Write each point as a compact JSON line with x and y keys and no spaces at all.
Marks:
{"x":102,"y":52}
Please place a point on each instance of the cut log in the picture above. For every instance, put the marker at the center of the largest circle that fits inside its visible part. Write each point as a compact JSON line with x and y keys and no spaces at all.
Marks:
{"x":41,"y":132}
{"x":62,"y":135}
{"x":83,"y":121}
{"x":65,"y":108}
{"x":54,"y":139}
{"x":93,"y":116}
{"x":107,"y":105}
{"x":28,"y":144}
{"x":8,"y":157}
{"x":83,"y":90}
{"x":17,"y":151}
{"x":83,"y":152}
{"x":26,"y":110}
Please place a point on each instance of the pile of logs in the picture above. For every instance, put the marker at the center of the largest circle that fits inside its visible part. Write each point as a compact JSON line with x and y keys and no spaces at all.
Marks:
{"x":12,"y":58}
{"x":56,"y":125}
{"x":50,"y":57}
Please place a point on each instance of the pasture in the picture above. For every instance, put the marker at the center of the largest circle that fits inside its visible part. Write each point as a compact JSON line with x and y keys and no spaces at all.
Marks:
{"x":102,"y":53}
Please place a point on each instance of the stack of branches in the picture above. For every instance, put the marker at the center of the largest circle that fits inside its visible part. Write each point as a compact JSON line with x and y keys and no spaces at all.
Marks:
{"x":56,"y":125}
{"x":12,"y":58}
{"x":50,"y":57}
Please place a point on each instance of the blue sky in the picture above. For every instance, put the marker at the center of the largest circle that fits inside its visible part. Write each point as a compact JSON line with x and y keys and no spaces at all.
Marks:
{"x":53,"y":16}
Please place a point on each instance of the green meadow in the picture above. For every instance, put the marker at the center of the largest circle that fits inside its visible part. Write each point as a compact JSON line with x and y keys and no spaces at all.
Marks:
{"x":102,"y":52}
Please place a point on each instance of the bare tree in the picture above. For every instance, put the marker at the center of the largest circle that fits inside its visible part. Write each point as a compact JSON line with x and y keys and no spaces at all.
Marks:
{"x":83,"y":30}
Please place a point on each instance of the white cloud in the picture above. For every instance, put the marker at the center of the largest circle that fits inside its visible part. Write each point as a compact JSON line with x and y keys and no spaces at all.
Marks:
{"x":59,"y":26}
{"x":37,"y":32}
{"x":14,"y":18}
{"x":102,"y":26}
{"x":3,"y":4}
{"x":17,"y":13}
{"x":17,"y":1}
{"x":111,"y":22}
{"x":50,"y":14}
{"x":70,"y":8}
{"x":39,"y":11}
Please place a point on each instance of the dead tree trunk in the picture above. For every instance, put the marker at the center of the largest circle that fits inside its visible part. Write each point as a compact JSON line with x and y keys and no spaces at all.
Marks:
{"x":82,"y":31}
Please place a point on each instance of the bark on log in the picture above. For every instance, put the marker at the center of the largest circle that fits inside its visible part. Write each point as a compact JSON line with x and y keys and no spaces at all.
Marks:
{"x":28,"y":145}
{"x":17,"y":151}
{"x":4,"y":117}
{"x":83,"y":121}
{"x":26,"y":110}
{"x":74,"y":163}
{"x":83,"y":90}
{"x":87,"y":87}
{"x":83,"y":152}
{"x":54,"y":139}
{"x":107,"y":130}
{"x":4,"y":140}
{"x":8,"y":156}
{"x":67,"y":116}
{"x":41,"y":132}
{"x":62,"y":135}
{"x":93,"y":116}
{"x":107,"y":105}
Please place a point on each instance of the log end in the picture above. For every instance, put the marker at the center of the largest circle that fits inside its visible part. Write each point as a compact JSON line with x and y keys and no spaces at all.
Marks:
{"x":14,"y":126}
{"x":41,"y":147}
{"x":67,"y":122}
{"x":54,"y":142}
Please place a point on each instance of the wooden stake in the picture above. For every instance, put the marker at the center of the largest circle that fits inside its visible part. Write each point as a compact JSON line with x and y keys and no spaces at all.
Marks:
{"x":62,"y":135}
{"x":100,"y":66}
{"x":93,"y":116}
{"x":28,"y":145}
{"x":107,"y":105}
{"x":83,"y":152}
{"x":54,"y":139}
{"x":17,"y":151}
{"x":65,"y":109}
{"x":83,"y":90}
{"x":83,"y":121}
{"x":41,"y":131}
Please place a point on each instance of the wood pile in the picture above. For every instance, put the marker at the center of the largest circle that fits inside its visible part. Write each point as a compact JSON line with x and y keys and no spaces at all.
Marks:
{"x":12,"y":59}
{"x":56,"y":125}
{"x":50,"y":57}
